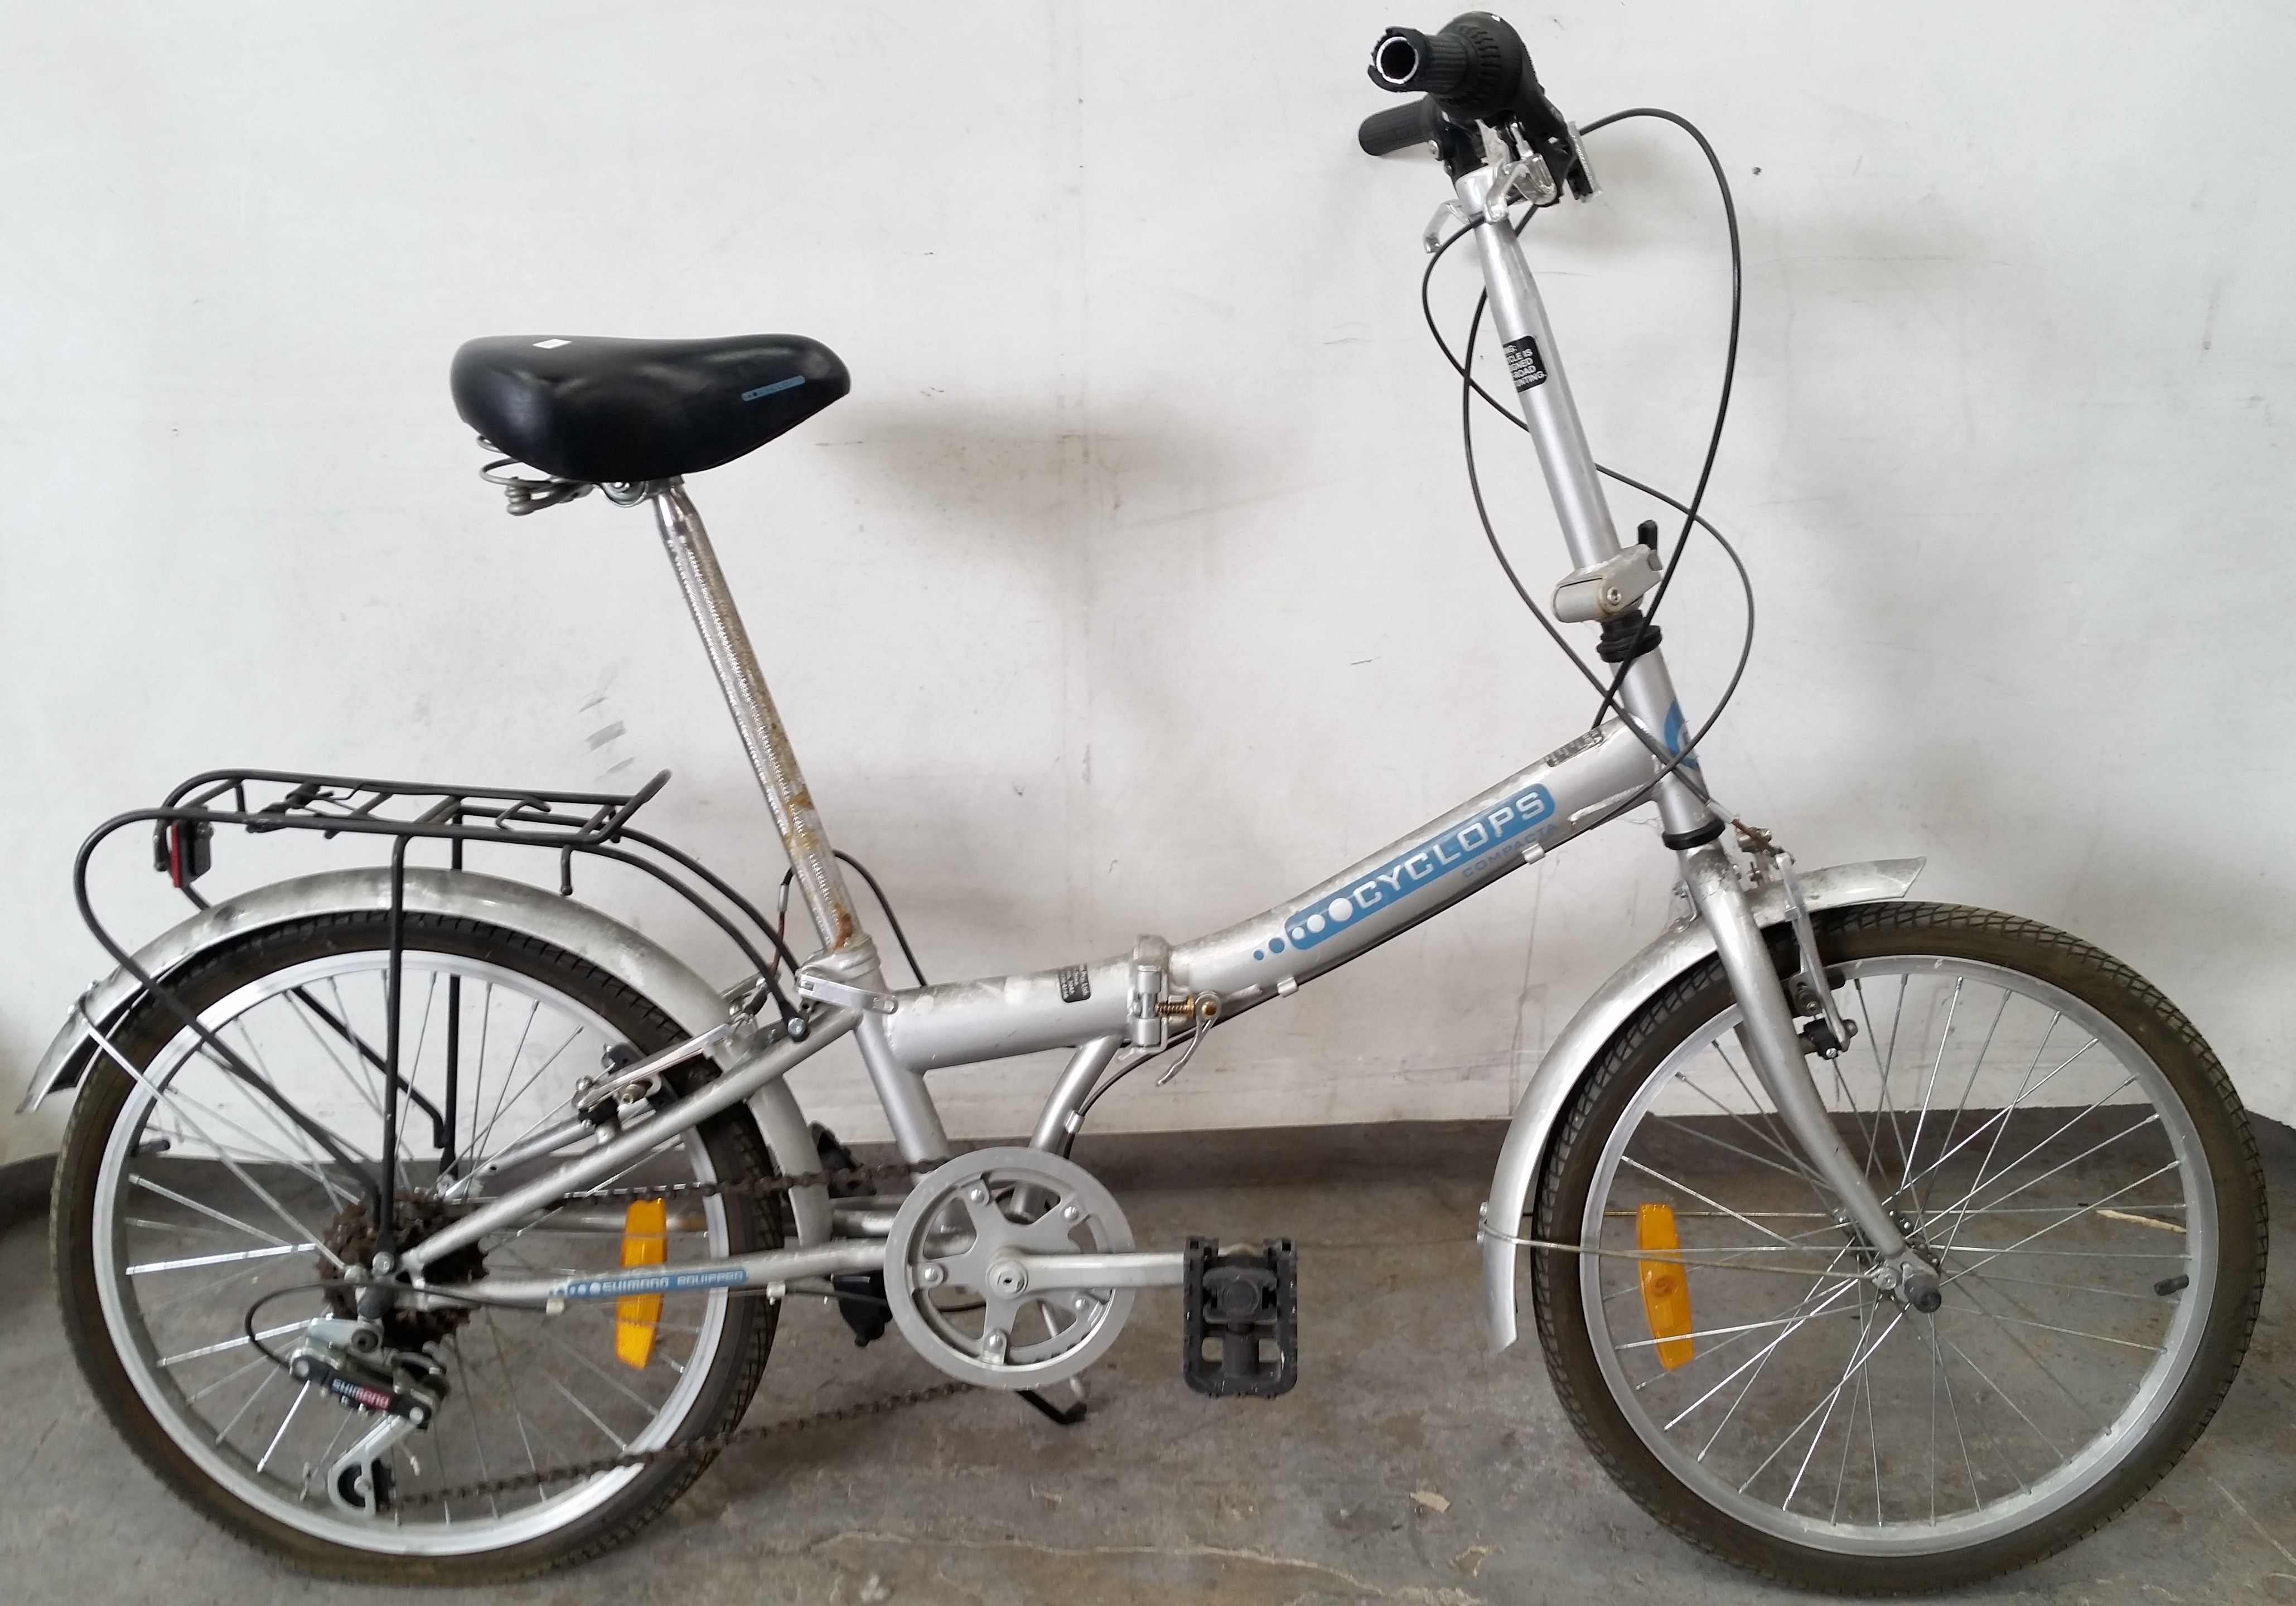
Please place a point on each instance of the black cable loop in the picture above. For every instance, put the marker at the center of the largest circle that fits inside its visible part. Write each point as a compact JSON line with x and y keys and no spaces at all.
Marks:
{"x":1722,"y":404}
{"x":780,"y":907}
{"x":892,"y":919}
{"x":1692,"y":517}
{"x":1673,"y":762}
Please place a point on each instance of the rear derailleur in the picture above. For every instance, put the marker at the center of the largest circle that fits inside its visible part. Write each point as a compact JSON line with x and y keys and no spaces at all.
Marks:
{"x":402,"y":1388}
{"x":368,"y":1354}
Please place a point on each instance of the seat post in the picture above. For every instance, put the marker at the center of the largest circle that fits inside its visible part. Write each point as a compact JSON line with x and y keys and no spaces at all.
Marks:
{"x":767,"y":745}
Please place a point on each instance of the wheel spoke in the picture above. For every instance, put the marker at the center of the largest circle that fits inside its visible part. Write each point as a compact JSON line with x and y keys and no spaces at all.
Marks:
{"x":1858,"y":1356}
{"x":230,"y":1208}
{"x":1687,"y":1191}
{"x":285,"y":1422}
{"x":2072,"y":1332}
{"x":1929,"y":1085}
{"x":2007,"y":1120}
{"x":1769,"y":1132}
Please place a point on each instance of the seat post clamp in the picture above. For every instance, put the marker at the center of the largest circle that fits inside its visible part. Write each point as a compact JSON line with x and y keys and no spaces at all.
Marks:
{"x":818,"y":988}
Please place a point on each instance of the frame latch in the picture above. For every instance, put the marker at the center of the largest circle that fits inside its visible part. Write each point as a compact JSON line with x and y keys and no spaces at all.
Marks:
{"x":1144,"y":1020}
{"x":1607,"y":589}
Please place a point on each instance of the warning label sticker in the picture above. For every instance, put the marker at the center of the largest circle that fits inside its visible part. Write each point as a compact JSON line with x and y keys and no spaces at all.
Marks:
{"x":1524,"y":365}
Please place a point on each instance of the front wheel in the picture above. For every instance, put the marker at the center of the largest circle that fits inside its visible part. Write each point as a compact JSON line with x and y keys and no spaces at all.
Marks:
{"x":2052,"y":1134}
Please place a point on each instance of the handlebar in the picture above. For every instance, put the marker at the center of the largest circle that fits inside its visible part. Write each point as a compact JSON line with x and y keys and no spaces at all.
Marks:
{"x":1472,"y":70}
{"x":1401,"y":128}
{"x":1474,"y":66}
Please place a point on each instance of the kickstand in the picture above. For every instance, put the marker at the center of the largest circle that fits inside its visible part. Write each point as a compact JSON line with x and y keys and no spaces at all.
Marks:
{"x":1067,"y":1416}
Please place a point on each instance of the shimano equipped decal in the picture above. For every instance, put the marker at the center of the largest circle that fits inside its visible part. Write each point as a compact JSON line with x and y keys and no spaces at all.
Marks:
{"x":1461,"y":845}
{"x":655,"y":1283}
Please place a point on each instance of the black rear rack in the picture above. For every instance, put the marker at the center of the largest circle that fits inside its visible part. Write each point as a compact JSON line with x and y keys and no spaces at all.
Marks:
{"x":184,"y":827}
{"x":344,"y":803}
{"x":590,"y":825}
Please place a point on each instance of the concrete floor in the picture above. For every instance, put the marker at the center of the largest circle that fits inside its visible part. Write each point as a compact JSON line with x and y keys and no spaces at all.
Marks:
{"x":1163,"y":1496}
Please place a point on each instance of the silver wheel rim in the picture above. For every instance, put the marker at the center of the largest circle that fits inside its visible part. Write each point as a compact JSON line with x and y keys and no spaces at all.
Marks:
{"x":2055,"y":1213}
{"x":240,"y":1420}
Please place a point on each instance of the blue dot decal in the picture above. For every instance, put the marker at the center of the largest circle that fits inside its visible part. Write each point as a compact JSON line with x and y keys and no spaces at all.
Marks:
{"x":1276,"y":944}
{"x":1259,"y":954}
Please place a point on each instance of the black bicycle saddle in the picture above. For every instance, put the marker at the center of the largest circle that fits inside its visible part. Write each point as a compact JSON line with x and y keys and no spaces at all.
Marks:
{"x":609,"y":412}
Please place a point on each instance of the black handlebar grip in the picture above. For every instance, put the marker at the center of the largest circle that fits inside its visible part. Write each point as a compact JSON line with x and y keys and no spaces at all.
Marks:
{"x":1399,"y":128}
{"x":1406,"y":60}
{"x":1475,"y":66}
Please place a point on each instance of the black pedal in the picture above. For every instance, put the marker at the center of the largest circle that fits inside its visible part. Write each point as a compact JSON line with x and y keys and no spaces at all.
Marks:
{"x":1241,"y":1316}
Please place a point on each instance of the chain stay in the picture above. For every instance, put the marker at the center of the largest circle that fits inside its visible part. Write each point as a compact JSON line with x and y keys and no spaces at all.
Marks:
{"x":762,"y":1187}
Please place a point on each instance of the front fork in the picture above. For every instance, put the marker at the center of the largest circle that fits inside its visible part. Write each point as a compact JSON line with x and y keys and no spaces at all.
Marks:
{"x":1551,"y":418}
{"x":1782,"y":1067}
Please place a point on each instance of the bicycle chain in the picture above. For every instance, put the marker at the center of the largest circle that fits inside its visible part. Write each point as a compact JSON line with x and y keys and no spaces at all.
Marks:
{"x":761,"y":1187}
{"x":575,"y":1472}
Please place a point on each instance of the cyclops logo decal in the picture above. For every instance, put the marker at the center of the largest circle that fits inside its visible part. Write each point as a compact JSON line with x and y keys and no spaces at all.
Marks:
{"x":655,"y":1283}
{"x":778,"y":386}
{"x":1421,"y":867}
{"x":1523,"y":365}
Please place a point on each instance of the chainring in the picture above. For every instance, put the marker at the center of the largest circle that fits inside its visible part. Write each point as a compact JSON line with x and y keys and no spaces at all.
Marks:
{"x":954,"y":1229}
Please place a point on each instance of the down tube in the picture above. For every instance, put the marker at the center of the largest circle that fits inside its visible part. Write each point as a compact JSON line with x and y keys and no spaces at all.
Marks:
{"x":1528,"y":814}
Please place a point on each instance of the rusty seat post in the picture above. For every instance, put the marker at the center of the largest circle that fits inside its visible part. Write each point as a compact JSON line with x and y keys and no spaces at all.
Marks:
{"x":847,"y":956}
{"x":763,"y":737}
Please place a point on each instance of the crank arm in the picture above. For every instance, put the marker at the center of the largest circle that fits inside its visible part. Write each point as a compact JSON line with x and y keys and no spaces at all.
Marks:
{"x":1037,"y":1274}
{"x":862,"y":1218}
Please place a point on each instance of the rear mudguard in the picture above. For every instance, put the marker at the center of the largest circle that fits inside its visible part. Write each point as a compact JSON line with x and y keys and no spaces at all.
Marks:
{"x":513,"y":906}
{"x":1575,"y":1053}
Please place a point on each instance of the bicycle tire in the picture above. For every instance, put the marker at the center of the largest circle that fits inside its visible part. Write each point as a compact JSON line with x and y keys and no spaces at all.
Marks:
{"x":1648,"y":1453}
{"x":741,"y":1342}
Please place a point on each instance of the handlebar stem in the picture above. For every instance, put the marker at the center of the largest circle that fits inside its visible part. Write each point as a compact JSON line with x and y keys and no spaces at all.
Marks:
{"x":1518,"y":315}
{"x":1519,"y":318}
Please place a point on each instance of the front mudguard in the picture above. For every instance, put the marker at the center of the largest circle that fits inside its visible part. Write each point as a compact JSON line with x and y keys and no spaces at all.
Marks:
{"x":1574,"y":1054}
{"x":513,"y":906}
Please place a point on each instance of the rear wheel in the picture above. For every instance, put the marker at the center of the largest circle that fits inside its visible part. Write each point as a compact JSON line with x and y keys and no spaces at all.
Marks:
{"x":191,"y":1209}
{"x":2051,"y":1133}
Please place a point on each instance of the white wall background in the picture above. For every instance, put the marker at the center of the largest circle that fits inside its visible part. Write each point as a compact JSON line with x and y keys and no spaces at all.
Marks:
{"x":1160,"y":594}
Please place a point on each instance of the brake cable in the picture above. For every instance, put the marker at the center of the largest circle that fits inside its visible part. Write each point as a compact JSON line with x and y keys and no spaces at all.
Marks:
{"x":1692,"y":517}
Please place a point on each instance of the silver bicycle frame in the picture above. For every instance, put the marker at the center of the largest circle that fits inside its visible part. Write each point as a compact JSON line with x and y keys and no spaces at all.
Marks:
{"x":1115,"y":1007}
